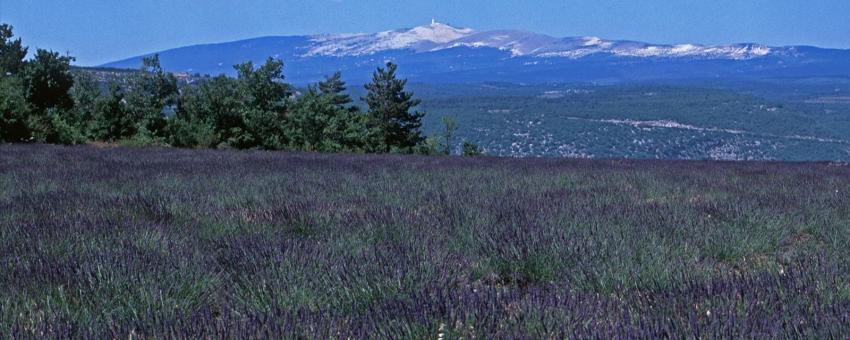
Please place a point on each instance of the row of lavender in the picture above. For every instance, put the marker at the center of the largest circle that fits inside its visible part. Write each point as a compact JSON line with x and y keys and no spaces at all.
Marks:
{"x":180,"y":243}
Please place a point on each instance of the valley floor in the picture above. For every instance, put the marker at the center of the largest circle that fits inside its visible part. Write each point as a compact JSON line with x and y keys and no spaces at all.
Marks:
{"x":113,"y":242}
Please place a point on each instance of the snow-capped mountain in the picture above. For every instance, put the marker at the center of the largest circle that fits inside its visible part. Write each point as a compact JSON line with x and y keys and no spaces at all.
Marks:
{"x":440,"y":52}
{"x":438,"y":36}
{"x":423,"y":38}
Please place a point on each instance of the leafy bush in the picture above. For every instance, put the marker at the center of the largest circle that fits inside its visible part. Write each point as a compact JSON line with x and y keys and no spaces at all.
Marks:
{"x":191,"y":134}
{"x":470,"y":149}
{"x":433,"y":146}
{"x":143,"y":138}
{"x":53,"y":127}
{"x":14,"y":111}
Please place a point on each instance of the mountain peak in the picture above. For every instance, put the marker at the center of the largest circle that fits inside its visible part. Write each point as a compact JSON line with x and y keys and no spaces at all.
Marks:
{"x":439,"y":36}
{"x":418,"y":38}
{"x":441,"y":25}
{"x":440,"y":51}
{"x":435,"y":32}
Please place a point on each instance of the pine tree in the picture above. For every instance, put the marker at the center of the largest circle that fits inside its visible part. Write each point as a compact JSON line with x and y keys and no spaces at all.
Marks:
{"x":334,"y":87}
{"x":324,"y":121}
{"x":392,"y":124}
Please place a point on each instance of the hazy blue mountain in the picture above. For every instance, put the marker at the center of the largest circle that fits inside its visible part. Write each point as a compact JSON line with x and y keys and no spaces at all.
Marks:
{"x":442,"y":53}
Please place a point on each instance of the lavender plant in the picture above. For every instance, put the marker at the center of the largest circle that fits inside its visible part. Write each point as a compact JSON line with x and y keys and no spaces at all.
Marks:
{"x":113,"y":242}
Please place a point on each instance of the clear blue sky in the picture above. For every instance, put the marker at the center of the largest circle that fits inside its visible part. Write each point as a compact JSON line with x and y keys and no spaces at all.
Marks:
{"x":97,"y":31}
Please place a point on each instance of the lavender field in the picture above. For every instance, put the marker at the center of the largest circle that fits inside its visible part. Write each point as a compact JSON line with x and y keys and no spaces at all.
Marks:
{"x":113,"y":242}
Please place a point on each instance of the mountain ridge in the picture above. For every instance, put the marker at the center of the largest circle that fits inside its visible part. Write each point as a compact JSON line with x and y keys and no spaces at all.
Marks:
{"x":439,"y":49}
{"x":522,"y":43}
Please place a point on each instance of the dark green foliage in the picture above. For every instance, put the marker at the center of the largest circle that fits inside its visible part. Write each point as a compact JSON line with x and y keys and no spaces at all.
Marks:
{"x":150,"y":93}
{"x":266,"y":129}
{"x":247,"y":112}
{"x":191,"y":134}
{"x":334,"y":87}
{"x":14,"y":110}
{"x":470,"y":149}
{"x":441,"y":144}
{"x":110,"y":120}
{"x":393,"y":127}
{"x":265,"y":104}
{"x":169,"y":243}
{"x":12,"y":52}
{"x":48,"y":80}
{"x":263,"y":86}
{"x":324,"y":119}
{"x":54,"y":126}
{"x":86,"y":92}
{"x":43,"y":101}
{"x":432,"y":146}
{"x":258,"y":110}
{"x":214,"y":105}
{"x":314,"y":121}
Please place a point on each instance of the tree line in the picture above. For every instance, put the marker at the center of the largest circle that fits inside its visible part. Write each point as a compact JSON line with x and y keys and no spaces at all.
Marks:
{"x":42,"y":100}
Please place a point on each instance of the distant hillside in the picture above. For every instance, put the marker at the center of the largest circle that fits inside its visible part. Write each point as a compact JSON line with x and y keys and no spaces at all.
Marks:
{"x":105,"y":75}
{"x":442,"y":53}
{"x":788,"y":120}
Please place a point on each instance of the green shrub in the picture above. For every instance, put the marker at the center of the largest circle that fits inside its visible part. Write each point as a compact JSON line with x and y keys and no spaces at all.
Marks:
{"x":432,"y":146}
{"x":142,"y":138}
{"x":470,"y":149}
{"x":13,"y":111}
{"x":190,"y":134}
{"x":53,"y":127}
